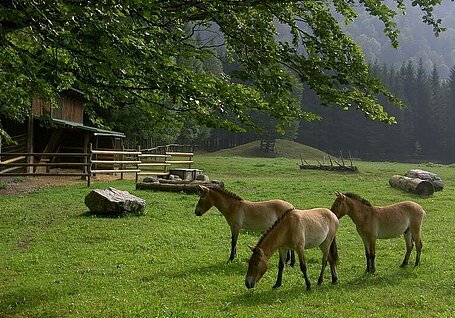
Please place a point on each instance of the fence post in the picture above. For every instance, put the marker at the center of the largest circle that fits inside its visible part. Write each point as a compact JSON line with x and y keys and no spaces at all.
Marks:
{"x":122,"y":166}
{"x":137,"y":165}
{"x":86,"y":159}
{"x":90,"y":166}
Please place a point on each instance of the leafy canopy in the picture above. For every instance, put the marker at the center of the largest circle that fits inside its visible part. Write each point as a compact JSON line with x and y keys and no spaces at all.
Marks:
{"x":141,"y":53}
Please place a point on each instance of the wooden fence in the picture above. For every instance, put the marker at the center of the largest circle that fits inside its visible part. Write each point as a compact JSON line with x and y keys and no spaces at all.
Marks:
{"x":96,"y":161}
{"x":157,"y":161}
{"x":28,"y":161}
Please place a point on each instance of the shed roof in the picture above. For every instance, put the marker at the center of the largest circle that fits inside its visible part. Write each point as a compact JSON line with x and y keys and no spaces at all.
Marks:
{"x":96,"y":131}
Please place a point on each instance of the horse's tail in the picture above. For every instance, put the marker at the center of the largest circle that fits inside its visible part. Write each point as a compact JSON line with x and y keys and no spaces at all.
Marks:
{"x":333,"y":252}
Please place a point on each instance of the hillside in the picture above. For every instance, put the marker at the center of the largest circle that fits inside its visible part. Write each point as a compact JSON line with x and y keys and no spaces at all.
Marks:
{"x":283,"y":148}
{"x":417,"y":40}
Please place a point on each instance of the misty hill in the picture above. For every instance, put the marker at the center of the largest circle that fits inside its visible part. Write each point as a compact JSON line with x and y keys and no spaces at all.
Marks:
{"x":283,"y":148}
{"x":417,"y":40}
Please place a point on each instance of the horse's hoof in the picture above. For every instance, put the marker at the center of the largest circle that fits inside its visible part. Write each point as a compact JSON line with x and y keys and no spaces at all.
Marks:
{"x":276,"y":286}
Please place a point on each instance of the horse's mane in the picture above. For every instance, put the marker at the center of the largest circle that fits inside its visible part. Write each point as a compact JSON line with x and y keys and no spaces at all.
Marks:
{"x":357,"y":198}
{"x":281,"y":217}
{"x":226,"y":192}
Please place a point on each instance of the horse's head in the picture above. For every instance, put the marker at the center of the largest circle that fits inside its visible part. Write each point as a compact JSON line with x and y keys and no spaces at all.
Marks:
{"x":257,"y":266}
{"x":205,"y":202}
{"x":340,"y":206}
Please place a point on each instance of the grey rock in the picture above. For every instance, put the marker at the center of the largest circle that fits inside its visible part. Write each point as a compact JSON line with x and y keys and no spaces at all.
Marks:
{"x":112,"y":201}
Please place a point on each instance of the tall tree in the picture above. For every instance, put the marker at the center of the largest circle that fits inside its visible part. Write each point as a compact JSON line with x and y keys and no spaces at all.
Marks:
{"x":449,"y":114}
{"x":422,"y":110}
{"x":131,"y":53}
{"x":436,"y":113}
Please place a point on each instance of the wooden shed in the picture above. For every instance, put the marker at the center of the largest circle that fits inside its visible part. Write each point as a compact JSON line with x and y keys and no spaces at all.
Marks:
{"x":58,"y":130}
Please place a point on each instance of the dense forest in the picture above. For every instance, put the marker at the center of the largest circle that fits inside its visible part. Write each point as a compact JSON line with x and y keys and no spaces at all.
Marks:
{"x":420,"y":71}
{"x":424,"y":128}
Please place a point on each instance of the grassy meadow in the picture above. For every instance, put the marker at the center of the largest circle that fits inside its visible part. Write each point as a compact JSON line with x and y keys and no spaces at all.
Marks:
{"x":57,"y":260}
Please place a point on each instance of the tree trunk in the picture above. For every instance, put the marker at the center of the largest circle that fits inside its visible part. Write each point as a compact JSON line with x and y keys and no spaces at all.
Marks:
{"x":413,"y":185}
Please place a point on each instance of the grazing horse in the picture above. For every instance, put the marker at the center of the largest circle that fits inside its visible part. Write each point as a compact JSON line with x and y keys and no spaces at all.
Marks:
{"x":298,"y":230}
{"x":239,"y":213}
{"x":376,"y":222}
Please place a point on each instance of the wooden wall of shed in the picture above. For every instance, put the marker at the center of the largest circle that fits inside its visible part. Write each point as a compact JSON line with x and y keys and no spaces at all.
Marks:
{"x":70,"y":108}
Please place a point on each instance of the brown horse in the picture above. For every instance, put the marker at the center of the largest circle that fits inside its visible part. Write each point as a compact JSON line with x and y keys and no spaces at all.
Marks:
{"x":239,"y":213}
{"x":297,"y":230}
{"x":375,"y":222}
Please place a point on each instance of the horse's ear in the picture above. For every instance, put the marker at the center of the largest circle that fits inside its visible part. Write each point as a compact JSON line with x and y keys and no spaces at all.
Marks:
{"x":251,"y":248}
{"x":201,"y":190}
{"x":342,"y":196}
{"x":339,"y":195}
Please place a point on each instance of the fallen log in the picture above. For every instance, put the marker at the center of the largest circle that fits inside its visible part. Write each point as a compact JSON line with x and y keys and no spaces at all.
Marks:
{"x":413,"y":185}
{"x":428,"y":176}
{"x":177,"y":186}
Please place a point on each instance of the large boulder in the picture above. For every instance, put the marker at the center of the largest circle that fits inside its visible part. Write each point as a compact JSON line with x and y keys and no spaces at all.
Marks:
{"x":112,"y":201}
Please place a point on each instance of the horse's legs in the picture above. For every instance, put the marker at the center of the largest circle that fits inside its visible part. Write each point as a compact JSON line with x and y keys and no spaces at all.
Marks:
{"x":290,"y":257}
{"x":235,"y":234}
{"x":367,"y":254}
{"x":419,"y":246}
{"x":333,"y":260}
{"x":370,"y":250}
{"x":321,"y":274}
{"x":409,"y":245}
{"x":281,"y":262}
{"x":372,"y":256}
{"x":301,"y":253}
{"x":325,"y":252}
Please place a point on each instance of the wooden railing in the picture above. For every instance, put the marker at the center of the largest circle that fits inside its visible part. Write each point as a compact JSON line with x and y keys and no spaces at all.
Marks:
{"x":158,"y":161}
{"x":31,"y":167}
{"x":12,"y":164}
{"x":96,"y":161}
{"x":114,"y":161}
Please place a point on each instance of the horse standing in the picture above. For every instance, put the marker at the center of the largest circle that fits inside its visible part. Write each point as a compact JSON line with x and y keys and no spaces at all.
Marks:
{"x":239,"y":213}
{"x":375,"y":222}
{"x":298,"y":230}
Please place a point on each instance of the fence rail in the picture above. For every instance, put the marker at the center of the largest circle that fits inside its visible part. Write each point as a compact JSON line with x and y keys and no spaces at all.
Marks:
{"x":96,"y":161}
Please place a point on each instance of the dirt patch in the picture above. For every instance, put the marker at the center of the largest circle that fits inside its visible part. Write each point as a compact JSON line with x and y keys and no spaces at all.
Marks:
{"x":27,"y":185}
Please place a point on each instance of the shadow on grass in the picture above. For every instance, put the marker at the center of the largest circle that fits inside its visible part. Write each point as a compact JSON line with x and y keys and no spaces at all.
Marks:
{"x":386,"y":277}
{"x":220,"y":268}
{"x":264,"y":295}
{"x":24,"y":302}
{"x":89,"y":214}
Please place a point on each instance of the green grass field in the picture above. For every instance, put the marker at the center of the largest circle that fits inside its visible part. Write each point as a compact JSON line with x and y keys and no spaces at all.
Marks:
{"x":59,"y":261}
